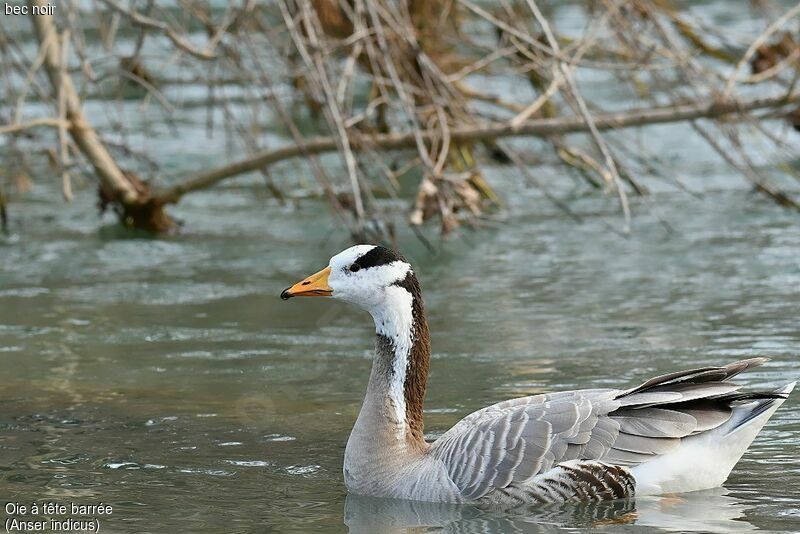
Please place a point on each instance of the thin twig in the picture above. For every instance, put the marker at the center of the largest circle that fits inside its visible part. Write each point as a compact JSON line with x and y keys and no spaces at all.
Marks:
{"x":177,"y":39}
{"x":757,"y":42}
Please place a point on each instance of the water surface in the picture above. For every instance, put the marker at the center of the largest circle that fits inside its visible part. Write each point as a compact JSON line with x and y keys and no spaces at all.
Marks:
{"x":166,"y":377}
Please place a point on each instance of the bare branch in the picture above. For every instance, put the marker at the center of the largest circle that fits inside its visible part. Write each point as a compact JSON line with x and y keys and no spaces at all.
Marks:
{"x":535,"y":128}
{"x":761,"y":39}
{"x":177,"y":39}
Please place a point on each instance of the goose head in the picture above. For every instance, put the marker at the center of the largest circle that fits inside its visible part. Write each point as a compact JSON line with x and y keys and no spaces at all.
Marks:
{"x":367,"y":276}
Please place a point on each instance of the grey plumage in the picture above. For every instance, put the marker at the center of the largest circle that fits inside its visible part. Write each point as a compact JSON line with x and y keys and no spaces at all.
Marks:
{"x":511,"y":446}
{"x":655,"y":422}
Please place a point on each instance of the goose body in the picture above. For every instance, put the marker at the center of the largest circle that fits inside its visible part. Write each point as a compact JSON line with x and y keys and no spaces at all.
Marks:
{"x":679,"y":432}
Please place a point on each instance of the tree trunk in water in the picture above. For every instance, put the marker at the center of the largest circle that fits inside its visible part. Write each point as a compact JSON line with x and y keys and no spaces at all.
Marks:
{"x":124,"y":192}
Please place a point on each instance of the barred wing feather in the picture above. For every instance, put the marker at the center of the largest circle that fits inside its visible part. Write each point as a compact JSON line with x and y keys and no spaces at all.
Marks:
{"x":508,"y":444}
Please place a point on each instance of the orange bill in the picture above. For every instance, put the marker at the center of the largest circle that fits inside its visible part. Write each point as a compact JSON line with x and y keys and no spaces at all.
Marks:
{"x":315,"y":285}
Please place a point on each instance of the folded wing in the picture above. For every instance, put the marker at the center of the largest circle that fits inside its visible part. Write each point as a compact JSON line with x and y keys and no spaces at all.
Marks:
{"x":509,"y":443}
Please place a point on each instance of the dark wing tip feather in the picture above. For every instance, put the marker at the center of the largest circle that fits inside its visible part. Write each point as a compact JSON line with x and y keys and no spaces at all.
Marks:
{"x":735,"y":368}
{"x":698,"y":376}
{"x":756,"y":395}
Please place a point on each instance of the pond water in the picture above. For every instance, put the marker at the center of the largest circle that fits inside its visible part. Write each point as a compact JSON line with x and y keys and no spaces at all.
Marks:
{"x":166,"y":378}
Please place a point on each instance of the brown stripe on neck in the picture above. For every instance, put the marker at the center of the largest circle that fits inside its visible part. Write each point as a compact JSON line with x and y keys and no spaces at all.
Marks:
{"x":418,"y":362}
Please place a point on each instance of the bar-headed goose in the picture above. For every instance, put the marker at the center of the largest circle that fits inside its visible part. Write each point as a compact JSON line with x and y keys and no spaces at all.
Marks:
{"x":682,"y":431}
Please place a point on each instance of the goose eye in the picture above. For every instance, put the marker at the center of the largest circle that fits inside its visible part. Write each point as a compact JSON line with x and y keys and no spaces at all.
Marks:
{"x":354,"y":268}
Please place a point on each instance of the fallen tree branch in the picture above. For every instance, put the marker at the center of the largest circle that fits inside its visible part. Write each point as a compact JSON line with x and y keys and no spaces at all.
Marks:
{"x":135,"y":206}
{"x":534,"y":128}
{"x":83,"y":134}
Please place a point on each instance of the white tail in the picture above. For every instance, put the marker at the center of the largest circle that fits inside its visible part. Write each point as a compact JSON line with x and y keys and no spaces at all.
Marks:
{"x":704,"y":461}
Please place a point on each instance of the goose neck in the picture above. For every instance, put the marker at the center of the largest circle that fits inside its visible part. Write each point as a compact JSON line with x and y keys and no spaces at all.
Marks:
{"x":402,"y":355}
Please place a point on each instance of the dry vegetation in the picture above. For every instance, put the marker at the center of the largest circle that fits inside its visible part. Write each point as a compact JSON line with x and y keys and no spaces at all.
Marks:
{"x":384,"y":75}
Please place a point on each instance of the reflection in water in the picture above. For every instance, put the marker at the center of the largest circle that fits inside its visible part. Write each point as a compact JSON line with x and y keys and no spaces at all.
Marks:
{"x":700,"y":511}
{"x":706,"y":511}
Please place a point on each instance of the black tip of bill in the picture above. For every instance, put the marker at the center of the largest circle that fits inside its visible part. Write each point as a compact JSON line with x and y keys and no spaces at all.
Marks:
{"x":285,"y":295}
